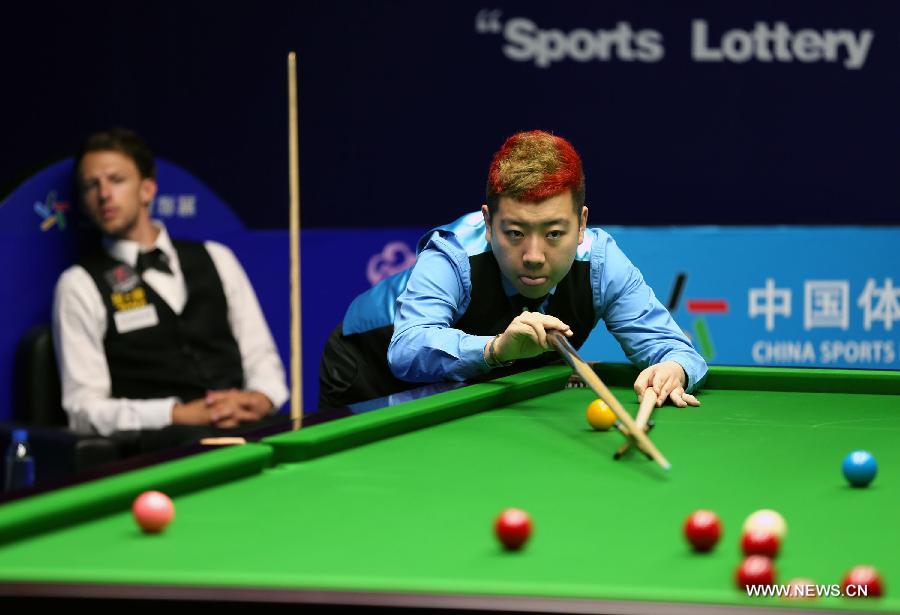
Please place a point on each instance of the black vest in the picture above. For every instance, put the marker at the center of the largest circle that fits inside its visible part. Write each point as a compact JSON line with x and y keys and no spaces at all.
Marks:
{"x":355,"y":368}
{"x":184,"y":355}
{"x":490,"y":311}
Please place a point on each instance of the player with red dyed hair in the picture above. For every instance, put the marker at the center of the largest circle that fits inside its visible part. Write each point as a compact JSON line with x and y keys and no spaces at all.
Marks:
{"x":488,"y":287}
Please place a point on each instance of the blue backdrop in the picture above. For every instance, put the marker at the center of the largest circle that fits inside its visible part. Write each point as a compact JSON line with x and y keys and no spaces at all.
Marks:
{"x":689,"y":113}
{"x":697,"y":112}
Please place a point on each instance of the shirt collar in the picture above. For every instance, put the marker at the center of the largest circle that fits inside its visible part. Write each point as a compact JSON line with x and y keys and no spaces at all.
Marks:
{"x":126,"y":250}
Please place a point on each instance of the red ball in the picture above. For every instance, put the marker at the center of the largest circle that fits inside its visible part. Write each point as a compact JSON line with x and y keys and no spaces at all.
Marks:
{"x":861,"y":577}
{"x":703,"y":529}
{"x":513,"y":527}
{"x":153,"y":511}
{"x":755,"y":570}
{"x":760,"y":542}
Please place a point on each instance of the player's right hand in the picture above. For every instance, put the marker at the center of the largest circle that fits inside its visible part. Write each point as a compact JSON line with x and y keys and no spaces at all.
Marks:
{"x":526,"y":336}
{"x":191,"y":413}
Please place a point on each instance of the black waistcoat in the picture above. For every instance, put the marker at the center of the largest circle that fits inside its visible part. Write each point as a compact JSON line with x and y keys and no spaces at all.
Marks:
{"x":354,"y":367}
{"x":183,"y":355}
{"x":490,"y":311}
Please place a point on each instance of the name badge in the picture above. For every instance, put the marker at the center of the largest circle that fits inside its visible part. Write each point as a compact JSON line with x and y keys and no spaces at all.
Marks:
{"x":138,"y":318}
{"x":129,"y":300}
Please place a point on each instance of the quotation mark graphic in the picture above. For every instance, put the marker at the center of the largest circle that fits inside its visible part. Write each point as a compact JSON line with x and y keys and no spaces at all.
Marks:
{"x":487,"y":21}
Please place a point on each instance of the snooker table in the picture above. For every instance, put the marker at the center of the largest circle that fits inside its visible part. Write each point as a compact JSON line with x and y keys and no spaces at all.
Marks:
{"x":395,"y":507}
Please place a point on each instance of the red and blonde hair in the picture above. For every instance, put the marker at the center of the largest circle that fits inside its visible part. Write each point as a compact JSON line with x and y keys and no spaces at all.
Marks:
{"x":533,"y":166}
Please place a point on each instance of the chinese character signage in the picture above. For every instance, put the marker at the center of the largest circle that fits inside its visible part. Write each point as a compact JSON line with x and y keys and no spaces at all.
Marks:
{"x":773,"y":296}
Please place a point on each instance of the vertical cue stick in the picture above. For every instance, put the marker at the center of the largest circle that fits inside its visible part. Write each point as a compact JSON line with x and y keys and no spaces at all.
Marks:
{"x":648,"y":404}
{"x":593,"y":380}
{"x":294,"y":175}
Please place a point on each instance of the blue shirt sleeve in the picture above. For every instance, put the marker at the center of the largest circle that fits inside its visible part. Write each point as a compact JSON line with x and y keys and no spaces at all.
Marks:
{"x":640,"y":323}
{"x":425,"y":347}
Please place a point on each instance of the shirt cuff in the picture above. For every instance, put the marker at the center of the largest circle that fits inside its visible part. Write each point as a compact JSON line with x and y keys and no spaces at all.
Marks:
{"x":472,"y":354}
{"x":157,"y":413}
{"x":694,"y":369}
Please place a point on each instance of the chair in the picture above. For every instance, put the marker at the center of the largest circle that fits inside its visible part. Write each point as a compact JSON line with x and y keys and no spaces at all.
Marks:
{"x":38,"y":399}
{"x":37,"y":405}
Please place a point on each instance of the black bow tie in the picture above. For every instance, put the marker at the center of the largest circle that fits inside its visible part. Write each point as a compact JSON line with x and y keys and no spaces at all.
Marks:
{"x":154,"y":259}
{"x":521,"y":303}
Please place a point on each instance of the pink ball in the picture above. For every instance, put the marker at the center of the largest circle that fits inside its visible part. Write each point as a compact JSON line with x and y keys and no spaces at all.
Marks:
{"x":153,"y":511}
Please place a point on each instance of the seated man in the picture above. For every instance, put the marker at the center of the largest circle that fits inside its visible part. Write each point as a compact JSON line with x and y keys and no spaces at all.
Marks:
{"x":486,"y":289}
{"x":152,"y":332}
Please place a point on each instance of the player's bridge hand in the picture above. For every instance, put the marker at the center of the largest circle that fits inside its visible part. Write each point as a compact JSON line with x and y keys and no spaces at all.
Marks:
{"x":667,"y":379}
{"x":526,"y":336}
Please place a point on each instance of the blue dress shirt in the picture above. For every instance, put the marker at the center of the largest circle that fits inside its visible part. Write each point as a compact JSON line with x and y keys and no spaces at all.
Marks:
{"x":426,"y":348}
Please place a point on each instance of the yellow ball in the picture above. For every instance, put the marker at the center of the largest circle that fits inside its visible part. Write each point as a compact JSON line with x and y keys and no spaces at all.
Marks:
{"x":600,"y":416}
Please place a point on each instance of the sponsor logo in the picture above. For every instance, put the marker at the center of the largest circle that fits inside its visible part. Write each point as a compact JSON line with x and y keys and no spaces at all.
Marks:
{"x":174,"y":206}
{"x":699,"y":308}
{"x":131,"y":300}
{"x":827,"y":304}
{"x":394,"y":258}
{"x":779,"y":43}
{"x":121,"y":278}
{"x":526,"y":41}
{"x":52,"y":212}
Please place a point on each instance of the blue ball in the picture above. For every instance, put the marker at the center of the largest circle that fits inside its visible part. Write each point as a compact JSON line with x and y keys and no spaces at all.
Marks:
{"x":859,"y":468}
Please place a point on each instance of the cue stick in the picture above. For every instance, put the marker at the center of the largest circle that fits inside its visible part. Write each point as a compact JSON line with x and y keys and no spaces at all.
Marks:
{"x":648,"y":404}
{"x":294,"y":178}
{"x":627,"y":445}
{"x":587,"y":374}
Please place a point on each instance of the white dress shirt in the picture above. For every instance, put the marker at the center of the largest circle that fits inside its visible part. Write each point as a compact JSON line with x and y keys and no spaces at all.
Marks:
{"x":79,"y":326}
